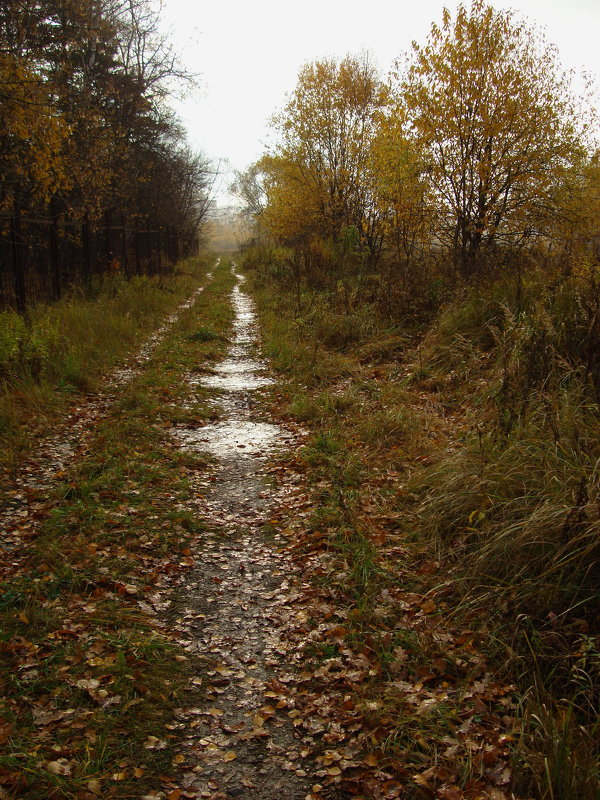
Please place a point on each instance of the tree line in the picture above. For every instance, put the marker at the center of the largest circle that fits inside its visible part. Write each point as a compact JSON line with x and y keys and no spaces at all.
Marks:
{"x":95,"y":171}
{"x":475,"y":156}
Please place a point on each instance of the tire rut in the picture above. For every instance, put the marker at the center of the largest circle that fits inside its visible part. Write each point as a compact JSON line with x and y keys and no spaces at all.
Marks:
{"x":234,"y":606}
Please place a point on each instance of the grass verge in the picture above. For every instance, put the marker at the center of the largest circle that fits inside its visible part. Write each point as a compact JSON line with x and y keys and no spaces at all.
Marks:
{"x":64,"y":350}
{"x":454,"y":485}
{"x":90,"y":679}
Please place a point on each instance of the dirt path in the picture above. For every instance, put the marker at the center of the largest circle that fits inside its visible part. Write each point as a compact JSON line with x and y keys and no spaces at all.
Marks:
{"x":234,"y":605}
{"x":292,"y":694}
{"x":55,"y":451}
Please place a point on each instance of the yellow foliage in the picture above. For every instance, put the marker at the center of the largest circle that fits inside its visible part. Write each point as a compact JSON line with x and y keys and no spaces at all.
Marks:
{"x":32,"y":135}
{"x":319,"y":180}
{"x":488,"y":106}
{"x":402,"y":190}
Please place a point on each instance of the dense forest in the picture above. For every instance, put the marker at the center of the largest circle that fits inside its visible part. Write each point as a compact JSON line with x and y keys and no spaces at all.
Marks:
{"x":95,"y":172}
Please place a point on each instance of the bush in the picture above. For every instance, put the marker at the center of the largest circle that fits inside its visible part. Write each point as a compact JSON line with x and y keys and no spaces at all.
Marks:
{"x":26,"y":348}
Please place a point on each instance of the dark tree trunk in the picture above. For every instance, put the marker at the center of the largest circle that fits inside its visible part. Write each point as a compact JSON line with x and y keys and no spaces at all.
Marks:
{"x":136,"y":247}
{"x":85,"y":248}
{"x":54,"y":254}
{"x":18,"y":267}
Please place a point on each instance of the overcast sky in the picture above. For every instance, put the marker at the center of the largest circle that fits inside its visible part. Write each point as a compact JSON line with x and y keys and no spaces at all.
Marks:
{"x":248,"y":54}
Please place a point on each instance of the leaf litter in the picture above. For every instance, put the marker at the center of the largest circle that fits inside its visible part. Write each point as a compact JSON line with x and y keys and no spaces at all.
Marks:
{"x":285,"y":700}
{"x":236,"y":598}
{"x":267,"y":593}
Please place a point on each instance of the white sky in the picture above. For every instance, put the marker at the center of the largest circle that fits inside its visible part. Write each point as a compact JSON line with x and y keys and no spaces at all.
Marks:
{"x":248,"y":54}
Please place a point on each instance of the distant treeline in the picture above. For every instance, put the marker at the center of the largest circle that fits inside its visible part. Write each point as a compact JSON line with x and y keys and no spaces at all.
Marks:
{"x":95,"y":172}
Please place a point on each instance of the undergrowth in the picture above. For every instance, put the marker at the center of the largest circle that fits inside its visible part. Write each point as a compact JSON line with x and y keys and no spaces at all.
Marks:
{"x":515,"y":509}
{"x":90,"y":682}
{"x":475,"y":447}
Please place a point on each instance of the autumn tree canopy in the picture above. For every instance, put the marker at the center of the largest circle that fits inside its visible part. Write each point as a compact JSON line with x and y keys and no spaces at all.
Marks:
{"x":488,"y":106}
{"x":89,"y":148}
{"x":319,"y":180}
{"x":476,"y":150}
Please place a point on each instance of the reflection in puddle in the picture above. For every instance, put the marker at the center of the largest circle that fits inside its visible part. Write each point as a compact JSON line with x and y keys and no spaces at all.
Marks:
{"x":238,"y":365}
{"x":232,"y":438}
{"x":239,"y":371}
{"x":236,"y":382}
{"x":237,"y":375}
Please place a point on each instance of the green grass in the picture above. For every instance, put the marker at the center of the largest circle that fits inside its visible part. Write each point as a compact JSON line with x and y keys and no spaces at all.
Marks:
{"x":73,"y":635}
{"x":67,"y":348}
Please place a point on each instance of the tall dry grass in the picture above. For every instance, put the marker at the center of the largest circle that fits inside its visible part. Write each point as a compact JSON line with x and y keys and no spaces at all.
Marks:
{"x":514,"y":508}
{"x":66,"y":348}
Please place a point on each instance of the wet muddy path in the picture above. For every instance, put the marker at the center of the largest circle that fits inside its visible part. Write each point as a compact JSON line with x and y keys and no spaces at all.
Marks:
{"x":234,"y":604}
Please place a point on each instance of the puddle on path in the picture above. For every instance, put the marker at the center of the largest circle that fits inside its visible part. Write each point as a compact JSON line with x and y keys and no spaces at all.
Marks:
{"x":233,"y":438}
{"x":238,"y":744}
{"x":240,"y":373}
{"x":235,"y":381}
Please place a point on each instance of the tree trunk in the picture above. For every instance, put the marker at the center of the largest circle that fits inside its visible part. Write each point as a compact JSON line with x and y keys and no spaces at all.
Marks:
{"x":54,"y":255}
{"x":85,"y":248}
{"x":18,"y":268}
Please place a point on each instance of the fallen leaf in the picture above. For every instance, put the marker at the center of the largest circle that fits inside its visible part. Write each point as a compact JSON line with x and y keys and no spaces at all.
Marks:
{"x":154,"y":743}
{"x":450,"y":793}
{"x":60,"y":767}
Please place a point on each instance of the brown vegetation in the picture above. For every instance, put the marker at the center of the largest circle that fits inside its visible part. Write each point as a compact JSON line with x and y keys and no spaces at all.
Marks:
{"x":458,"y":347}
